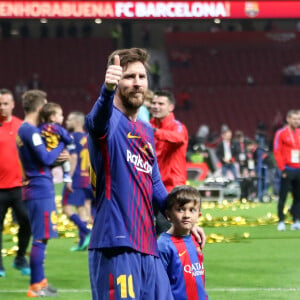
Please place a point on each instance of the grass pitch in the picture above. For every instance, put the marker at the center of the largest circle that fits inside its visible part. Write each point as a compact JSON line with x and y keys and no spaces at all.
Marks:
{"x":246,"y":259}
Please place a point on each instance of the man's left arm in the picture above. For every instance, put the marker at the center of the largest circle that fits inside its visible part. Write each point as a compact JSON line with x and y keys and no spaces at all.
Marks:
{"x":159,"y":191}
{"x":178,"y":136}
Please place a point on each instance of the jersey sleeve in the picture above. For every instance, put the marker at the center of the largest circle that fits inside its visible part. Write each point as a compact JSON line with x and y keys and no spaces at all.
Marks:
{"x":176,"y":137}
{"x":40,"y":151}
{"x":164,"y":252}
{"x":97,"y":121}
{"x":159,"y":191}
{"x":65,"y":136}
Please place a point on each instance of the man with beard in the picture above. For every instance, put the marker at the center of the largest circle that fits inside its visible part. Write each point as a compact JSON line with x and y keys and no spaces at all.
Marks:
{"x":123,"y":256}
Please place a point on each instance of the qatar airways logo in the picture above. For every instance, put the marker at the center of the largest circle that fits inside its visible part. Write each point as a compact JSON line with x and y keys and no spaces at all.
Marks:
{"x":196,"y":269}
{"x":139,"y":163}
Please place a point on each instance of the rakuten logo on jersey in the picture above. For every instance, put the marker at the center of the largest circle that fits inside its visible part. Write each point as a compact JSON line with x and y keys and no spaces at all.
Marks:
{"x":139,"y":163}
{"x":195,"y":269}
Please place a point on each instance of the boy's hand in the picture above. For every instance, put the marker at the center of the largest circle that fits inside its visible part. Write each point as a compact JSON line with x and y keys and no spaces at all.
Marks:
{"x":199,"y":234}
{"x":63,"y":156}
{"x":69,"y":187}
{"x":113,"y":74}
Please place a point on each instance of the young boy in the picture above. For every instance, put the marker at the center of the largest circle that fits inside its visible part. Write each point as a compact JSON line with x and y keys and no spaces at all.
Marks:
{"x":180,"y":253}
{"x":51,"y":119}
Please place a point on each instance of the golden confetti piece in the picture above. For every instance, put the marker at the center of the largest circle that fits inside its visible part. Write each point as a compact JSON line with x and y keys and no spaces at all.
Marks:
{"x":246,"y":235}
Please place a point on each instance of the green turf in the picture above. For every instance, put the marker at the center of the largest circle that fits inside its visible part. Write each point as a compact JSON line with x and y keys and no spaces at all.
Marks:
{"x":263,"y":266}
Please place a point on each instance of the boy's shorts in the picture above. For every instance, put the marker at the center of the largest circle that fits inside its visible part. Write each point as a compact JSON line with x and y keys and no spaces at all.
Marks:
{"x":77,"y":197}
{"x":122,"y":273}
{"x":43,"y":218}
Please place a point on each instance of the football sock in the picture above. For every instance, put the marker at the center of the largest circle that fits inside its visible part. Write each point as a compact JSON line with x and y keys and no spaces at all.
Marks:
{"x":37,"y":257}
{"x":80,"y":224}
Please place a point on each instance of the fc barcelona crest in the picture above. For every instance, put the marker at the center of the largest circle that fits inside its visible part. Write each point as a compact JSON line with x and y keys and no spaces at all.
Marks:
{"x":251,"y":9}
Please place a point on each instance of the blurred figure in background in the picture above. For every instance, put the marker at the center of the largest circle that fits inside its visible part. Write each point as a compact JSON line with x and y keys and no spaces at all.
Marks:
{"x":144,"y":113}
{"x":226,"y":152}
{"x":78,"y":191}
{"x":286,"y":151}
{"x":171,"y":141}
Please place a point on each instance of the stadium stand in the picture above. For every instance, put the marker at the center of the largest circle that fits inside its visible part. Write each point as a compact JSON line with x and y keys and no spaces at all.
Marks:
{"x":217,"y":71}
{"x":65,"y":66}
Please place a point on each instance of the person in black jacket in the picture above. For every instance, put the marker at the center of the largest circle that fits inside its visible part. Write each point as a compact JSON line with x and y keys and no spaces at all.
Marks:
{"x":227,"y":152}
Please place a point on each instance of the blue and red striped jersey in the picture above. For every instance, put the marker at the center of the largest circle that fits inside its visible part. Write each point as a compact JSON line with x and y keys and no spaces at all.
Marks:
{"x":125,"y":176}
{"x":182,"y":258}
{"x":36,"y":162}
{"x":81,"y":176}
{"x":53,"y":134}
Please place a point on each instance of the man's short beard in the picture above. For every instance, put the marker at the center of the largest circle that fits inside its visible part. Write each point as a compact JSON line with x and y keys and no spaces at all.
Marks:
{"x":131,"y":103}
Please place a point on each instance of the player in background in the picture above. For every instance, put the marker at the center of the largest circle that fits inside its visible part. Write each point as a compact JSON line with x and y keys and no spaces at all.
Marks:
{"x":51,"y":120}
{"x":171,"y":141}
{"x":75,"y":194}
{"x":11,"y":181}
{"x":124,"y":261}
{"x":181,"y":255}
{"x":38,"y":189}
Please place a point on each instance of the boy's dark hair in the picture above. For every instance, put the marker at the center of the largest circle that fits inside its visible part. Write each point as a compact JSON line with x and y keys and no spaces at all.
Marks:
{"x":48,"y":110}
{"x":167,"y":94}
{"x":32,"y":99}
{"x":181,"y":195}
{"x":129,"y":56}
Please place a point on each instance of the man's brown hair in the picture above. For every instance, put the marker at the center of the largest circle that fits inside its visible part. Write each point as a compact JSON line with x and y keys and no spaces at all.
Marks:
{"x":128,"y":56}
{"x":32,"y":99}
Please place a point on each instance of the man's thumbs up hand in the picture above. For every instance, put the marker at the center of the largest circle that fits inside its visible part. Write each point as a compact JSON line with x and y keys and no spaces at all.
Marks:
{"x":113,"y":74}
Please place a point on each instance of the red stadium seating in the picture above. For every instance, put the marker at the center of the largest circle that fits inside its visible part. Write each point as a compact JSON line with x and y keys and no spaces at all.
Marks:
{"x":216,"y":74}
{"x":65,"y":66}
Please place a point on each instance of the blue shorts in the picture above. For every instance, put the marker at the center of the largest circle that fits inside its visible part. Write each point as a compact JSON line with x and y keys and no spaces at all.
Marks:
{"x":78,"y":197}
{"x":43,"y":218}
{"x":121,"y":273}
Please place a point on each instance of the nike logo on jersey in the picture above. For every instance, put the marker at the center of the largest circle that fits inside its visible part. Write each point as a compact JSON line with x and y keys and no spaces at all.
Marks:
{"x":182,"y":253}
{"x":133,"y":136}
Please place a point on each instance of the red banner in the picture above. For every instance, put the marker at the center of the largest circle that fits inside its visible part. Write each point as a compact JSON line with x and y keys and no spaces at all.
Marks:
{"x":150,"y":9}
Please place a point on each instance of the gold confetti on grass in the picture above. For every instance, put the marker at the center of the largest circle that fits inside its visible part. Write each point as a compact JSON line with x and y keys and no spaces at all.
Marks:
{"x":218,"y":238}
{"x":67,"y":229}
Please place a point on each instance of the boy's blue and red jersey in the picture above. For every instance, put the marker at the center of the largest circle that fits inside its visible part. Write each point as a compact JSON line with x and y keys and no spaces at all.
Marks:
{"x":183,"y":260}
{"x":53,"y":134}
{"x":36,"y":162}
{"x":81,"y":175}
{"x":126,"y":178}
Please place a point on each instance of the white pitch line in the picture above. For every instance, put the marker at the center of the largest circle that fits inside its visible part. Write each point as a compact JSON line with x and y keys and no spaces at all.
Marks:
{"x":234,"y":290}
{"x":253,"y":289}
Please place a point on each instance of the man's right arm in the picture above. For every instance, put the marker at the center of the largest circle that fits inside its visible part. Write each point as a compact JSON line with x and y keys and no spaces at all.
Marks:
{"x":98,"y":119}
